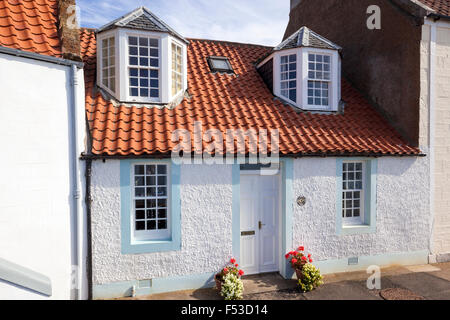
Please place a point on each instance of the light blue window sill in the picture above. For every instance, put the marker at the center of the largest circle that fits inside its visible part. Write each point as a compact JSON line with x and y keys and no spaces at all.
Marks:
{"x":357,"y":229}
{"x":139,"y":247}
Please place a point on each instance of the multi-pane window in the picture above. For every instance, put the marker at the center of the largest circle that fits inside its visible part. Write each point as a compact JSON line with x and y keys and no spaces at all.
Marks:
{"x":108,"y":63}
{"x":177,"y":69}
{"x":289,"y":77}
{"x":353,"y":192}
{"x":319,"y":80}
{"x":151,"y":196}
{"x":144,"y":66}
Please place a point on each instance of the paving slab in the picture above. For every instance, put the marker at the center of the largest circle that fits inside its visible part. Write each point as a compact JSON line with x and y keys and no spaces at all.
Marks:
{"x":424,"y":284}
{"x":346,"y":290}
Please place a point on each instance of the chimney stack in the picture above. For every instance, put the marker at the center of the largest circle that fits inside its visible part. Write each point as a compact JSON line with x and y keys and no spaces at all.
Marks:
{"x":69,"y":30}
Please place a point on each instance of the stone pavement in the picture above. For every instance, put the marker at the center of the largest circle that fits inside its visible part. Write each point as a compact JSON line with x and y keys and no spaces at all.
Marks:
{"x":429,"y":282}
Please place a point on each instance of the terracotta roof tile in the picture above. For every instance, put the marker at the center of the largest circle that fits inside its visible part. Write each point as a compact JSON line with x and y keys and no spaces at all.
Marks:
{"x":242,"y":101}
{"x":441,"y":7}
{"x":30,"y":25}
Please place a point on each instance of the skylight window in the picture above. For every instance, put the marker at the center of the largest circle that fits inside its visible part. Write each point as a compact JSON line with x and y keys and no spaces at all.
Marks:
{"x":220,"y":64}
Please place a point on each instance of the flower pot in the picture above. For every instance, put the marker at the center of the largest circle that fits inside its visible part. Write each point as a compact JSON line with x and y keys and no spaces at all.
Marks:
{"x":219,"y":282}
{"x":299,"y":273}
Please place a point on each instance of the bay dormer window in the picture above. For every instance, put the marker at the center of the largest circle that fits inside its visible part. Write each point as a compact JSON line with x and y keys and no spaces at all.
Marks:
{"x":319,"y":80}
{"x":177,"y":68}
{"x":288,"y":77}
{"x":108,"y":61}
{"x":143,"y":67}
{"x":142,"y":60}
{"x":304,"y":71}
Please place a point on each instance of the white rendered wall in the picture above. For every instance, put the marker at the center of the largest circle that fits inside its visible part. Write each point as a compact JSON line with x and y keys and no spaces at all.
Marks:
{"x":435,"y":95}
{"x":403,"y":221}
{"x":36,"y":226}
{"x":206,"y":226}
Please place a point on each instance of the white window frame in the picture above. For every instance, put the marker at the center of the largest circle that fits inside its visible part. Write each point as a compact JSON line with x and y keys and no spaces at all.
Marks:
{"x":151,"y":235}
{"x":333,"y":84}
{"x":289,"y":80}
{"x":182,"y":75}
{"x":107,"y":35}
{"x":354,"y":221}
{"x":111,"y":54}
{"x":128,"y":66}
{"x":322,"y":80}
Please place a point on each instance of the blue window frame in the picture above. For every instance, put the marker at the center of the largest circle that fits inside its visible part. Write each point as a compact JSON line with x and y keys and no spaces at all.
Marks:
{"x":162,"y":230}
{"x":356,"y":196}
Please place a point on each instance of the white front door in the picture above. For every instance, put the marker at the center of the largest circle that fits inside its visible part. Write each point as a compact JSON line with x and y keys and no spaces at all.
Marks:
{"x":259,"y":223}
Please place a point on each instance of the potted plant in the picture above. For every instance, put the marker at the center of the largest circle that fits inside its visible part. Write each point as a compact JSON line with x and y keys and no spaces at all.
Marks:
{"x":229,"y":277}
{"x":308,"y":275}
{"x":298,"y":259}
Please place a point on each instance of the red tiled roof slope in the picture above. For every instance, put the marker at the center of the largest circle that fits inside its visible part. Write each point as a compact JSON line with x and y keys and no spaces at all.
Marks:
{"x":30,"y":25}
{"x":224,"y":102}
{"x":441,"y":7}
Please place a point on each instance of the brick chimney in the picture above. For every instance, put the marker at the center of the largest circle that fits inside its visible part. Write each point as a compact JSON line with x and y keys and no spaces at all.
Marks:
{"x":69,"y":30}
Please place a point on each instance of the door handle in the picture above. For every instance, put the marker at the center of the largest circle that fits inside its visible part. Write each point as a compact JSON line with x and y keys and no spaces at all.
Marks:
{"x":260,"y":224}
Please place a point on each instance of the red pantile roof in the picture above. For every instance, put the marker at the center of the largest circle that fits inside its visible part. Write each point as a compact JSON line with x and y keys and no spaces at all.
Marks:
{"x":442,"y":7}
{"x":241,"y":101}
{"x":30,"y":25}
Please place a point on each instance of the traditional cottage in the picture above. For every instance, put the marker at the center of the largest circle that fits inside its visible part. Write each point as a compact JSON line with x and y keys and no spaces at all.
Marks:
{"x":308,"y":160}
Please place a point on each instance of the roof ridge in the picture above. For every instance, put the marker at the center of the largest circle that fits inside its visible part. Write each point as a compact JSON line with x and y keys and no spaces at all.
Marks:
{"x":231,"y":42}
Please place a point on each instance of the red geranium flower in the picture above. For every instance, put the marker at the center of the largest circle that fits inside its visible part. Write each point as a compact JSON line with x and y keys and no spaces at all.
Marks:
{"x":304,"y":258}
{"x":294,"y":260}
{"x":236,"y":265}
{"x":241,"y":273}
{"x":225,"y":270}
{"x":310,"y":260}
{"x":309,"y":255}
{"x":302,"y":248}
{"x":292,"y":253}
{"x":233,"y":261}
{"x":287,"y":256}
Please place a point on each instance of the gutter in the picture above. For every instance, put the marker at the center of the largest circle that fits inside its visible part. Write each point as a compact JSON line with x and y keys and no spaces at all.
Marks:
{"x":91,"y":157}
{"x":40,"y":57}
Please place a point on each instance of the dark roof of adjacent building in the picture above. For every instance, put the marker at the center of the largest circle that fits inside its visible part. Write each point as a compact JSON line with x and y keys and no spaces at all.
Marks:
{"x":305,"y":37}
{"x":143,"y":19}
{"x":441,"y":7}
{"x":232,"y":101}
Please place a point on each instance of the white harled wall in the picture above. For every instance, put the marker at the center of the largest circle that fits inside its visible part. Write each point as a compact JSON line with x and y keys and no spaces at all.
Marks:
{"x":403,"y":221}
{"x":206,"y":203}
{"x":36,"y":226}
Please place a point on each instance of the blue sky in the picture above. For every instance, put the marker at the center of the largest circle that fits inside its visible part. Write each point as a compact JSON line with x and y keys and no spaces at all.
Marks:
{"x":249,"y":21}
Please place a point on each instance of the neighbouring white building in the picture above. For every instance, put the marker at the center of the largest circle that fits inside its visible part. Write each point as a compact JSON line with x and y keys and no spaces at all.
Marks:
{"x":42,"y":225}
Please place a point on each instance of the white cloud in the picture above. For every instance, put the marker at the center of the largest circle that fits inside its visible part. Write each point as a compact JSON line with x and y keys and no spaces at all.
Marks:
{"x":250,"y":21}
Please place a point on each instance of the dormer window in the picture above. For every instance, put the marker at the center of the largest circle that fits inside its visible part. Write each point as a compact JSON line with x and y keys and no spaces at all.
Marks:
{"x":143,"y":60}
{"x":144,"y":67}
{"x":304,"y":71}
{"x":288,"y":83}
{"x":319,"y":79}
{"x":108,"y":58}
{"x":177,"y":68}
